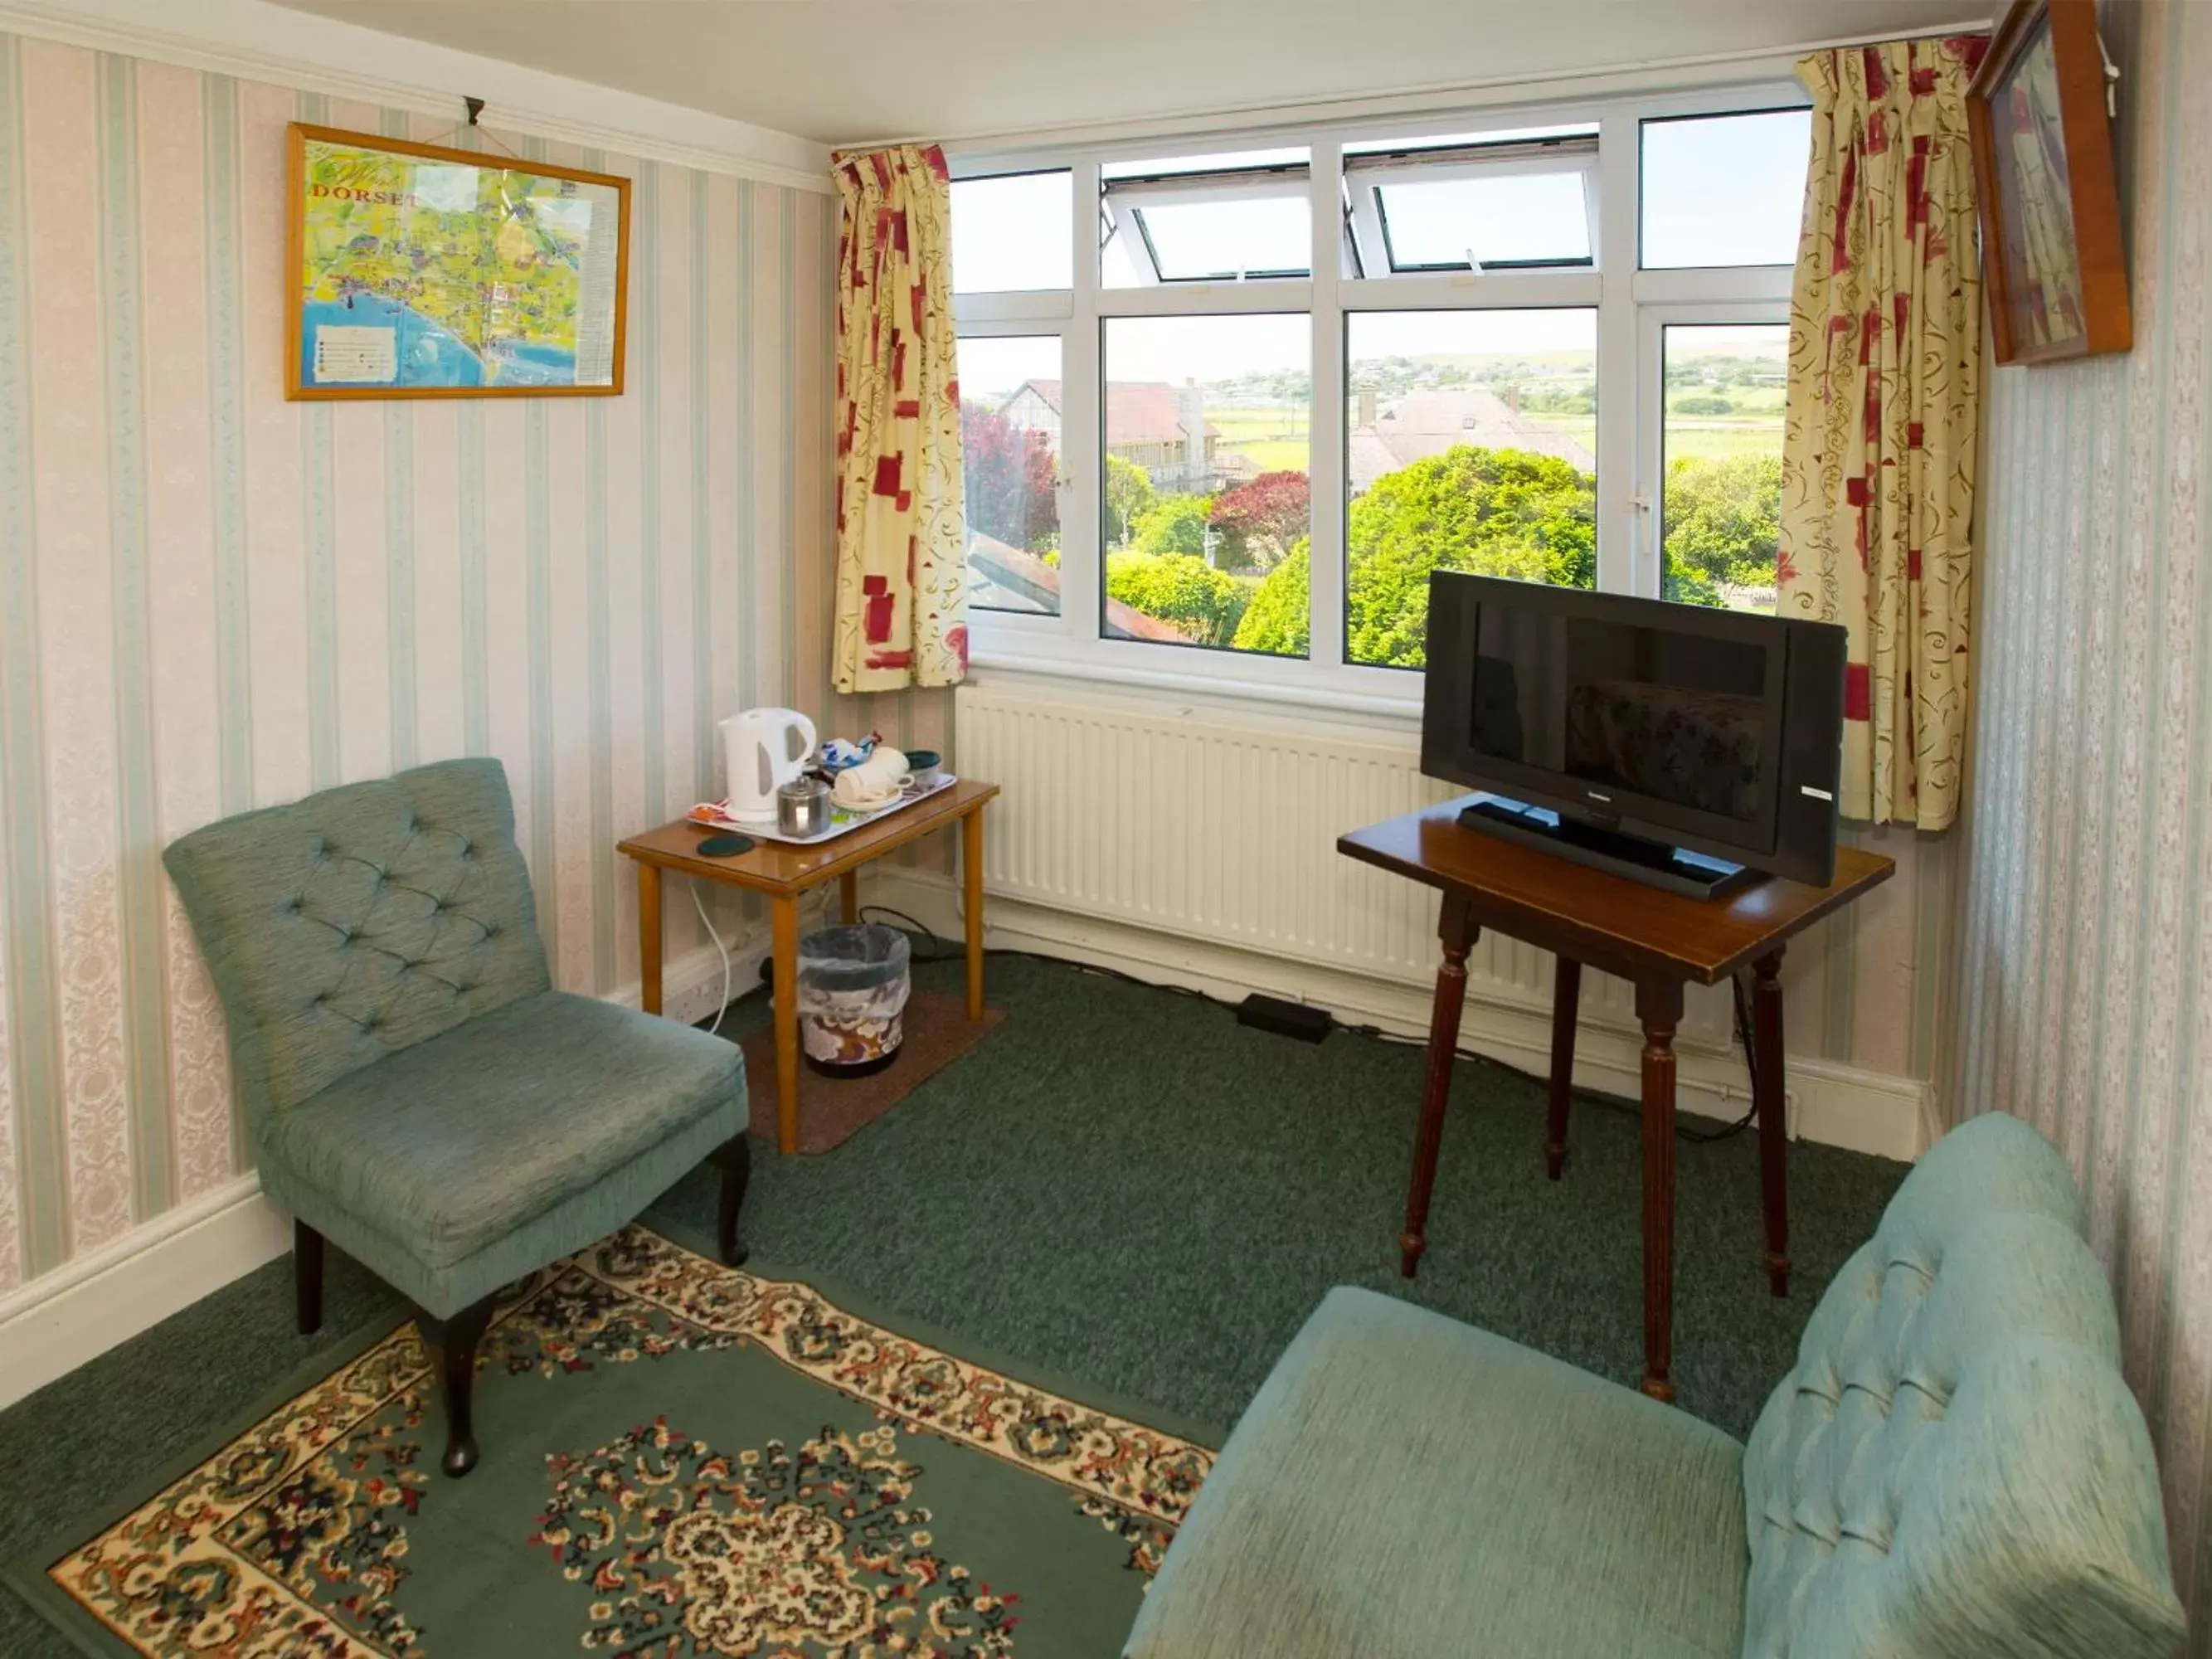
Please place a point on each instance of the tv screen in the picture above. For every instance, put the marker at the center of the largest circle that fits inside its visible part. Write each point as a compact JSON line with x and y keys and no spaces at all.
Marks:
{"x":1710,"y":730}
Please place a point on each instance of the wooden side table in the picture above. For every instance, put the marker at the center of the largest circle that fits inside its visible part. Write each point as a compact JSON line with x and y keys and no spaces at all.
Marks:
{"x":1659,"y":942}
{"x":783,"y":873}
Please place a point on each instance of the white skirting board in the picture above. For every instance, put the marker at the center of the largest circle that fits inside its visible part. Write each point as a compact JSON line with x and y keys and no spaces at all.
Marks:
{"x":1835,"y":1104}
{"x":60,"y":1320}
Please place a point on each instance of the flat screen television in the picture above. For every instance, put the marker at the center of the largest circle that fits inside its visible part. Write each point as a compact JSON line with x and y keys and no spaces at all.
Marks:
{"x":1689,"y":747}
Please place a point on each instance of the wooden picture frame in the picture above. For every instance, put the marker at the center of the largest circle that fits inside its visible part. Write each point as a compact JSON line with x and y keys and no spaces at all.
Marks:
{"x":2052,"y":254}
{"x":416,"y":318}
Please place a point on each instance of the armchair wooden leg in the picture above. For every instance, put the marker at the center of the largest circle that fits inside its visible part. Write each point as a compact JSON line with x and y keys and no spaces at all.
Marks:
{"x":734,"y":1157}
{"x":453,"y":1348}
{"x":307,"y":1276}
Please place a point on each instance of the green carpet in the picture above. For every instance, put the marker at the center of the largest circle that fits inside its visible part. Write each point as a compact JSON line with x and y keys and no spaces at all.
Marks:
{"x":1122,"y":1188}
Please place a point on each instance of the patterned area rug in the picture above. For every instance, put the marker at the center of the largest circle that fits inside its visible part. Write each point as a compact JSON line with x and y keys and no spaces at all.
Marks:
{"x":679,"y":1458}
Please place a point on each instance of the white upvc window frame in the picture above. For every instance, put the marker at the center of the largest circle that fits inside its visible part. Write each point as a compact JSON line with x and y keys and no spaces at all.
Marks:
{"x":1631,"y":306}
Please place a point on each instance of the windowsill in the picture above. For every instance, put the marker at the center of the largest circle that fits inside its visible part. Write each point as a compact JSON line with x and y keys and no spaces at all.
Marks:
{"x":1396,"y":715}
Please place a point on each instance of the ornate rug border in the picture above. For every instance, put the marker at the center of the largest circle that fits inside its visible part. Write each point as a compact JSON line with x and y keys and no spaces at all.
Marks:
{"x":33,"y":1574}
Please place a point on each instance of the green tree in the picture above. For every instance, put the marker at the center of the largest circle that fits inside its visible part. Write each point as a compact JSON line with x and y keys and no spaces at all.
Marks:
{"x":1202,"y":603}
{"x":1128,"y":495}
{"x":1722,"y":517}
{"x":1492,"y":512}
{"x":1174,"y":525}
{"x":1275,"y":620}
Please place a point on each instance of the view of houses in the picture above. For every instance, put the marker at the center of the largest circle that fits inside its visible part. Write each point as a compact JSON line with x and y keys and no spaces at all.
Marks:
{"x":1476,"y":461}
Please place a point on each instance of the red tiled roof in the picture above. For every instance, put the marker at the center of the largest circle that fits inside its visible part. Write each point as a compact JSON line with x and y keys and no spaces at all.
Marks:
{"x":1137,"y":411}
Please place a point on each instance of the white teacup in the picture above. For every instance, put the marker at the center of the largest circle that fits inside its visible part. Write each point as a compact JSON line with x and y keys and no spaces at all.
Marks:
{"x":877,"y":782}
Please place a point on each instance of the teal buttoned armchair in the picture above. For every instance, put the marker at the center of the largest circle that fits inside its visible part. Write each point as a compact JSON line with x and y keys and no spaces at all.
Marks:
{"x":415,"y":1090}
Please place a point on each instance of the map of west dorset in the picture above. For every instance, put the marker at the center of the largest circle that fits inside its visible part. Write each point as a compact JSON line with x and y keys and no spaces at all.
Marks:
{"x":425,"y":274}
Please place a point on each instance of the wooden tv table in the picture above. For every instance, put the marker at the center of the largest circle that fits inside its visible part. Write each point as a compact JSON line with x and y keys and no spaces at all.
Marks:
{"x":784,"y":872}
{"x":1659,"y":942}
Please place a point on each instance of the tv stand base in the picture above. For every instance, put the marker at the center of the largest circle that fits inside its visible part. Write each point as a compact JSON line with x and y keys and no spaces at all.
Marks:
{"x":1654,"y":863}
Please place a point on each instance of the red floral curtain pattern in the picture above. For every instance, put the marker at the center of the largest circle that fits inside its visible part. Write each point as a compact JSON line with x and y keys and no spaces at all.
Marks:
{"x":1880,"y":416}
{"x":902,"y":609}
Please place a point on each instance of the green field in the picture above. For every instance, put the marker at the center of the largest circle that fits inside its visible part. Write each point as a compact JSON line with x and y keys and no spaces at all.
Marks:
{"x":1273,"y":437}
{"x":1707,"y":437}
{"x":1276,"y":437}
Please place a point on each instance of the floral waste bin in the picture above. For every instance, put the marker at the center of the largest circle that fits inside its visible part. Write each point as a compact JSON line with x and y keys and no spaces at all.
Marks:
{"x":853,"y":986}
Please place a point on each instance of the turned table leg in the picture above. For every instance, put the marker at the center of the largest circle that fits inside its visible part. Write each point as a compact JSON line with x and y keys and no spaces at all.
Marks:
{"x":971,"y":890}
{"x":1456,"y":926}
{"x":1766,"y":1094}
{"x":848,"y":897}
{"x":649,"y":936}
{"x":1566,"y":1005}
{"x":784,"y":916}
{"x":1659,"y":1009}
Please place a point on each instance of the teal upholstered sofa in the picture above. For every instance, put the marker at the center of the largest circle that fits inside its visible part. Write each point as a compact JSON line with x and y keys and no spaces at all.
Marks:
{"x":1955,"y":1470}
{"x":415,"y":1089}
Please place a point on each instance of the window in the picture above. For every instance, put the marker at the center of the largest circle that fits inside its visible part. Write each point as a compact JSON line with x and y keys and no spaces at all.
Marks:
{"x":1511,"y":201}
{"x":1725,"y":190}
{"x":1012,"y":232}
{"x":1203,"y":490}
{"x":1205,"y":219}
{"x":1547,"y":344}
{"x":1470,"y":444}
{"x":1010,"y":415}
{"x":1721,"y":464}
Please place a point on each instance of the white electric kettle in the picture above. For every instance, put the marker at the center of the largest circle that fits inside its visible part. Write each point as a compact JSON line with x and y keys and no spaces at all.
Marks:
{"x":762,"y":758}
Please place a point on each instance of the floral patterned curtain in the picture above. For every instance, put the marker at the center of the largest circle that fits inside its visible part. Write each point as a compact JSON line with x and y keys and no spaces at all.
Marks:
{"x":902,"y":607}
{"x":1879,"y":428}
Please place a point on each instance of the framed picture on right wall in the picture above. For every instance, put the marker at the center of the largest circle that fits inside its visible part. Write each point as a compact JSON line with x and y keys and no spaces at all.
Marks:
{"x":2051,"y":254}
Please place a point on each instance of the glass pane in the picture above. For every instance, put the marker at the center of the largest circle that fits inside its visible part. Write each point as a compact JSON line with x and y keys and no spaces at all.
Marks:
{"x":1013,"y":233}
{"x":1206,"y":509}
{"x":1204,"y":218}
{"x":1195,"y":241}
{"x":1722,"y":503}
{"x":1726,"y":190}
{"x":1514,"y":218}
{"x":1470,"y":444}
{"x":1010,"y":401}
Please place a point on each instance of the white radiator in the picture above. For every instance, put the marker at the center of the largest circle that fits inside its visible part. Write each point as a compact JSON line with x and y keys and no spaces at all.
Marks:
{"x":1223,"y":829}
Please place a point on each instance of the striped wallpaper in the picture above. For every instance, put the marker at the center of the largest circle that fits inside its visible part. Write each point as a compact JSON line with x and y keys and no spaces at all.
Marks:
{"x":210,"y":598}
{"x":2084,"y":949}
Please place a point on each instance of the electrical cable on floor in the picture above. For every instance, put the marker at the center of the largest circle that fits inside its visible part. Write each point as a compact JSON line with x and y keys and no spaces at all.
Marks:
{"x":700,"y":905}
{"x":942,"y":949}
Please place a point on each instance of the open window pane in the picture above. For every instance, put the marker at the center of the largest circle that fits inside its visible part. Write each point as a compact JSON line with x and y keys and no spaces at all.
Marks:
{"x":1460,"y":224}
{"x":1721,"y":502}
{"x":1725,"y":190}
{"x":1009,"y":403}
{"x":1012,"y":233}
{"x":1208,"y":429}
{"x":1224,"y":241}
{"x":1470,"y":440}
{"x":1204,"y":218}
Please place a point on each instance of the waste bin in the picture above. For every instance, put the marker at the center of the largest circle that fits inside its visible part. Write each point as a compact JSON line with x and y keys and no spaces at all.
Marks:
{"x":852,"y":986}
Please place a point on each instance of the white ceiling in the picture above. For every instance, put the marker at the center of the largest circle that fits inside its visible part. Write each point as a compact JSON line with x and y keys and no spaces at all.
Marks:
{"x":842,"y":71}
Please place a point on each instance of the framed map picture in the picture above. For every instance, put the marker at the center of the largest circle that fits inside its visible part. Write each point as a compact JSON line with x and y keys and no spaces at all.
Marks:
{"x":2052,"y":259}
{"x":419,"y":271}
